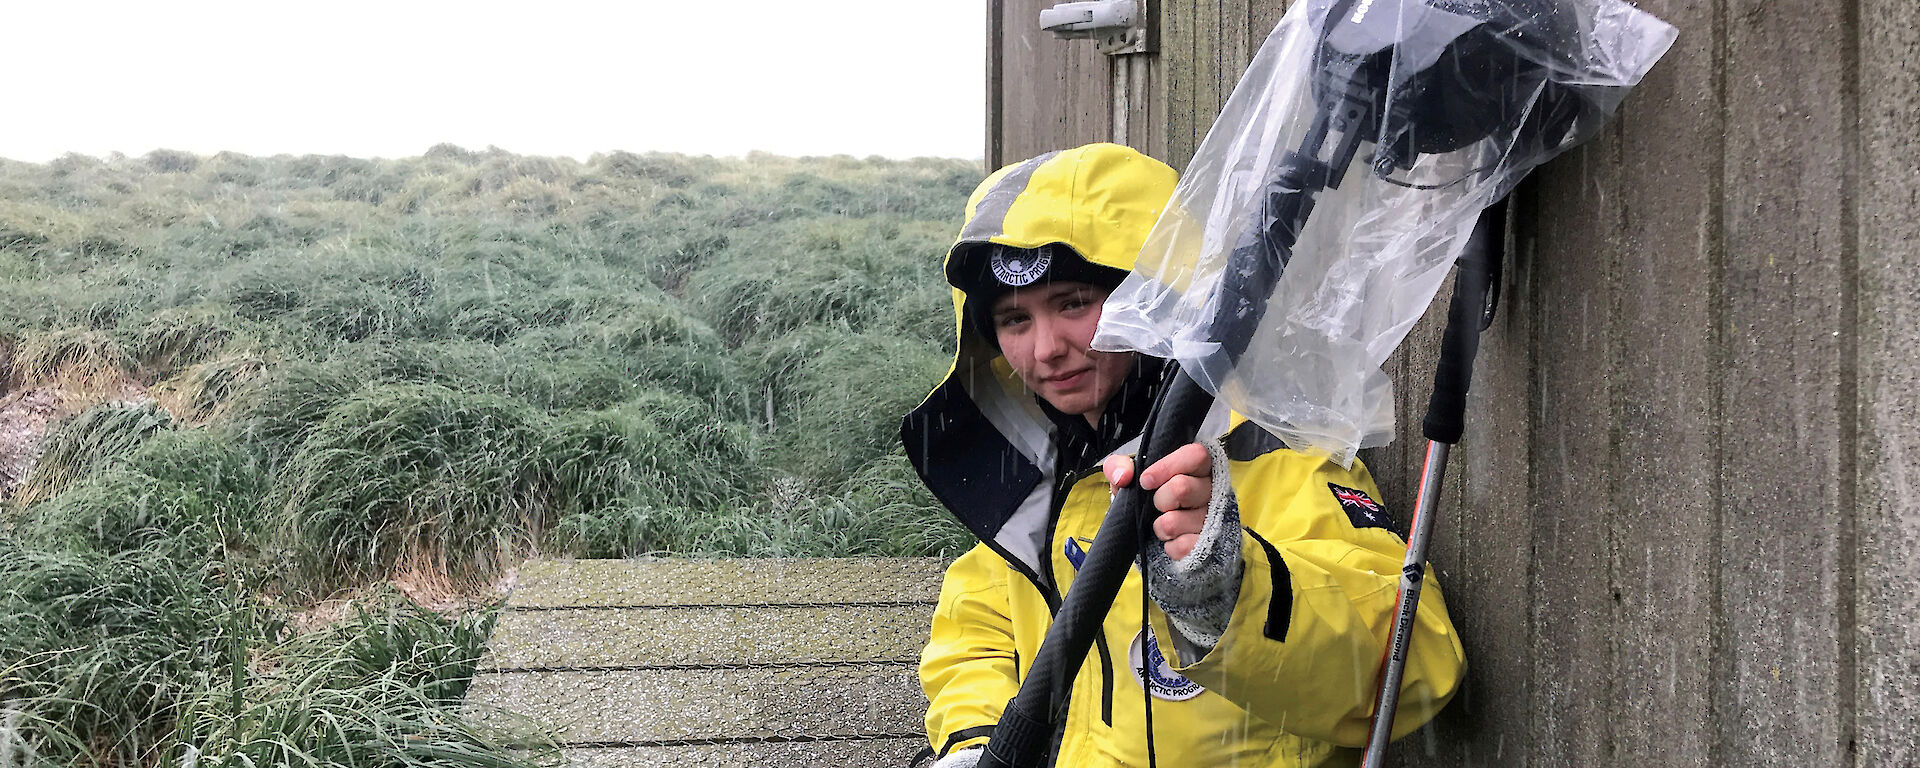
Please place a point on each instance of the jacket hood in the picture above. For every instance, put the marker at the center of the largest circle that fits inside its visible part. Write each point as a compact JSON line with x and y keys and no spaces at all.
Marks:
{"x":980,"y":440}
{"x":1100,"y":200}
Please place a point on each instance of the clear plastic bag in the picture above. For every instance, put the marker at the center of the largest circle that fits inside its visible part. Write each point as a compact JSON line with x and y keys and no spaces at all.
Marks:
{"x":1414,"y":115}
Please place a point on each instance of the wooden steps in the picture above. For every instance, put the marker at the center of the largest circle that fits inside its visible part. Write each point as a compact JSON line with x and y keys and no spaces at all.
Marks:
{"x":666,"y":662}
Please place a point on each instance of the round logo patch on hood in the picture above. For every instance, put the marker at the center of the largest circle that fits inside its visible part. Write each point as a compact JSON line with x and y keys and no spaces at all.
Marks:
{"x":1020,"y":267}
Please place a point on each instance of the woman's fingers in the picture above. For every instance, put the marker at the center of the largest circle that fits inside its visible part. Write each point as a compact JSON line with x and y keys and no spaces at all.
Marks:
{"x":1118,"y":469}
{"x":1173,"y":525}
{"x":1190,"y":459}
{"x":1181,"y":486}
{"x":1183,"y":492}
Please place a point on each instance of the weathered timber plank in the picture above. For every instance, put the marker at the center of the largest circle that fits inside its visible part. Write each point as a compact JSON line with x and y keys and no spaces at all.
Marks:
{"x":667,"y":582}
{"x":996,"y":66}
{"x":1570,"y":233}
{"x":881,"y":753}
{"x":677,"y":705}
{"x":1087,"y":94}
{"x":1147,"y":96}
{"x":1206,"y":72}
{"x":1180,"y":23}
{"x":1146,"y":110}
{"x":1264,"y":17}
{"x":1388,"y":463}
{"x":1664,"y":517}
{"x":1888,"y":639}
{"x":598,"y":637}
{"x":1032,"y":82}
{"x":1231,"y":50}
{"x":1785,"y":283}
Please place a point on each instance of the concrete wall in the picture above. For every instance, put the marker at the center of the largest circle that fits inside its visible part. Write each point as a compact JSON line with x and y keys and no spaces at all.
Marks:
{"x":1681,"y":529}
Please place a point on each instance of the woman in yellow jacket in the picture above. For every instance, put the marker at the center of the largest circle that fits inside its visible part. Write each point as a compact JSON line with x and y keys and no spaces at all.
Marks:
{"x":1275,"y":579}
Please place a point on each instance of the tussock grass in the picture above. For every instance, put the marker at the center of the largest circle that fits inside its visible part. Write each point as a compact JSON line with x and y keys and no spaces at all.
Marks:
{"x":126,"y":659}
{"x":644,"y":476}
{"x":204,"y":389}
{"x":423,"y":370}
{"x":882,"y":510}
{"x":413,"y":471}
{"x":277,"y":411}
{"x":765,"y":286}
{"x":107,"y":646}
{"x":176,"y":337}
{"x":820,"y":392}
{"x":89,"y":438}
{"x":371,"y":692}
{"x":549,"y":379}
{"x":9,"y":370}
{"x":187,"y":493}
{"x":81,"y":361}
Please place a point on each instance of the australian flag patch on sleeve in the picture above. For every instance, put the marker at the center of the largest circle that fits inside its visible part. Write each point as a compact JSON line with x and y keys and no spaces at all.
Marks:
{"x":1361,"y":509}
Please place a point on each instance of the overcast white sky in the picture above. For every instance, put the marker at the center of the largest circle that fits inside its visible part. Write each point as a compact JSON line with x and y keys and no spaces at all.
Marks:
{"x":554,"y":77}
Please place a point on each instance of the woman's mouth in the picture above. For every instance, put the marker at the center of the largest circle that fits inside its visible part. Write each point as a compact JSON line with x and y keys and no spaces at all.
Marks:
{"x":1069,"y":380}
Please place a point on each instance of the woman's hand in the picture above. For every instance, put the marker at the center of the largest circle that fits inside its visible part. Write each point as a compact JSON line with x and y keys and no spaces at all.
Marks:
{"x":1181,"y":484}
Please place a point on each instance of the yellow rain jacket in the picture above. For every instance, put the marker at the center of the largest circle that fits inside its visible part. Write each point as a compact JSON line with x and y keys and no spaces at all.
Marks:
{"x":1291,"y":681}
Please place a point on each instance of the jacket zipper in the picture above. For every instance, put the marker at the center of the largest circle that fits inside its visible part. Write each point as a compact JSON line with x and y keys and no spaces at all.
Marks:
{"x":1061,"y":487}
{"x":1060,"y":493}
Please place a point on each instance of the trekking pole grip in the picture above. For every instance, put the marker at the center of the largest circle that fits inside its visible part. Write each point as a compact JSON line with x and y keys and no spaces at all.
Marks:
{"x":1460,"y":343}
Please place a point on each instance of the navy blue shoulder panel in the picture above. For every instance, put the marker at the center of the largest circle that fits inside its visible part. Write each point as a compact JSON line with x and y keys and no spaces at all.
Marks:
{"x":970,"y":467}
{"x":1249,"y":441}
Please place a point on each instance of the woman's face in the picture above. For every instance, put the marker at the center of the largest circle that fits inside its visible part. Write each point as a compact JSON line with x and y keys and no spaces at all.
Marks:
{"x":1046,"y":332}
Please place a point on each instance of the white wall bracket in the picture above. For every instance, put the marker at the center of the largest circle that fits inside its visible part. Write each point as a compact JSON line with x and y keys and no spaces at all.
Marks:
{"x":1117,"y":26}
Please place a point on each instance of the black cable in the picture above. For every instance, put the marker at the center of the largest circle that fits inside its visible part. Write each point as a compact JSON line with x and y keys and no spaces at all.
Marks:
{"x":1382,"y":175}
{"x":1146,"y":659}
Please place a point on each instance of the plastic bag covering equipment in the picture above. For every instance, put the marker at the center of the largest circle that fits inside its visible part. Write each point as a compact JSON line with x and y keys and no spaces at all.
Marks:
{"x":1434,"y":110}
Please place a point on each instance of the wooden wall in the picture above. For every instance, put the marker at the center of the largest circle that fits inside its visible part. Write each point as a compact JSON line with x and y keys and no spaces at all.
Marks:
{"x":1680,"y":530}
{"x":1042,"y":93}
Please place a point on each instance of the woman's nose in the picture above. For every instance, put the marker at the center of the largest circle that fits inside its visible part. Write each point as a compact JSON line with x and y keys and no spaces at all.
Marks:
{"x":1049,"y":341}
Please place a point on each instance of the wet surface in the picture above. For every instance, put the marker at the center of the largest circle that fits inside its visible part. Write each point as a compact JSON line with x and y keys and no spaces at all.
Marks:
{"x":598,"y":637}
{"x":875,"y":752}
{"x":714,"y":662}
{"x":664,"y":582}
{"x":674,"y":705}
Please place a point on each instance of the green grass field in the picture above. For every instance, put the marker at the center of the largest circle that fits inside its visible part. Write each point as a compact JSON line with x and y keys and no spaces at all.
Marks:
{"x":240,"y":393}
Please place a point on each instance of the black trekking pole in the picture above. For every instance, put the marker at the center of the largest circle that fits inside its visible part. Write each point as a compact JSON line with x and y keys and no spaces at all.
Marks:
{"x":1469,"y":313}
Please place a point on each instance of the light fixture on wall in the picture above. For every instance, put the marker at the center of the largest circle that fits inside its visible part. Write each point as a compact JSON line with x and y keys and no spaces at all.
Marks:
{"x":1117,"y":26}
